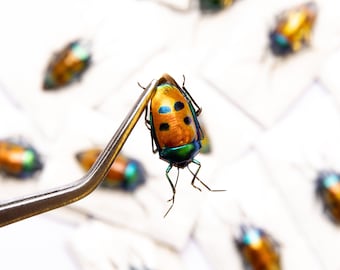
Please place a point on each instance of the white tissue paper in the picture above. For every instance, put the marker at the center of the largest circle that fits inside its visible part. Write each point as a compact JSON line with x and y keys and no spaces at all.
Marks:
{"x":99,"y":246}
{"x":251,"y":199}
{"x":117,"y":51}
{"x":18,"y":127}
{"x":311,"y":145}
{"x":328,"y":74}
{"x":243,"y":69}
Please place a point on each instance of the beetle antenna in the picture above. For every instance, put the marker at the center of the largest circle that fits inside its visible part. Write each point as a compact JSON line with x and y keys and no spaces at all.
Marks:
{"x":141,"y":86}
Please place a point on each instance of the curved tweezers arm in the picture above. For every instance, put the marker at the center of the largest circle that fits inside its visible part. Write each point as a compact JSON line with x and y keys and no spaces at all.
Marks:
{"x":18,"y":209}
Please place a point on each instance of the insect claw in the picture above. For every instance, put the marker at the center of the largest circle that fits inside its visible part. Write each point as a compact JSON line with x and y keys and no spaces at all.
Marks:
{"x":167,"y":212}
{"x":198,"y":112}
{"x":196,"y":187}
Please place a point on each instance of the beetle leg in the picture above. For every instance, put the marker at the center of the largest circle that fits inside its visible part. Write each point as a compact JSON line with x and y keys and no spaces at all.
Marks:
{"x":146,"y":119}
{"x":154,"y":148}
{"x":148,"y":125}
{"x":195,"y":177}
{"x":198,"y":109}
{"x":183,"y":81}
{"x":173,"y":187}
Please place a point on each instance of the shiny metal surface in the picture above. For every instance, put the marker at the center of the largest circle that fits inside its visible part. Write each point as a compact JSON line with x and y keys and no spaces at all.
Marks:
{"x":17,"y":209}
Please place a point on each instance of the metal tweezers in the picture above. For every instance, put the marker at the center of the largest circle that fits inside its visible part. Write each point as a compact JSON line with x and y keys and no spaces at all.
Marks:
{"x":18,"y":209}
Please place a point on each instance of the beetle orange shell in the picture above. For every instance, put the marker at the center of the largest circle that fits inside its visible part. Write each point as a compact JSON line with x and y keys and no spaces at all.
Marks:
{"x":259,"y":250}
{"x":172,"y":117}
{"x":117,"y":170}
{"x":67,"y":65}
{"x":19,"y":159}
{"x":261,"y":255}
{"x":328,"y":190}
{"x":11,"y":157}
{"x":332,"y":199}
{"x":296,"y":24}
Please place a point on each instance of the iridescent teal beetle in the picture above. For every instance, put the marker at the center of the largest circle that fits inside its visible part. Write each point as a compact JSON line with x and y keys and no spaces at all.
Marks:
{"x":214,"y":5}
{"x":68,"y":65}
{"x":293,"y":29}
{"x":328,"y":191}
{"x":175,"y":131}
{"x":125,"y":173}
{"x":19,"y":159}
{"x":258,"y":249}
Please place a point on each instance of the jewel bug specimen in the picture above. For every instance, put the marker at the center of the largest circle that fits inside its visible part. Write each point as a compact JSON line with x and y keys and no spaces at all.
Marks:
{"x":258,"y":249}
{"x":125,"y":173}
{"x":18,"y":159}
{"x":214,"y":5}
{"x":176,"y":134}
{"x":68,"y":65}
{"x":328,"y":191}
{"x":293,"y":29}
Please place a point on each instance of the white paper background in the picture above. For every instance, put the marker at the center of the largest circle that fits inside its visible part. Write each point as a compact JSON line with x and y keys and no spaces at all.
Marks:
{"x":271,"y":127}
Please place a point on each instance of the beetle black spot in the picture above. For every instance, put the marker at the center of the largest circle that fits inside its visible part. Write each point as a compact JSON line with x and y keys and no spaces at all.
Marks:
{"x":178,"y":106}
{"x":187,"y":120}
{"x":164,"y":127}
